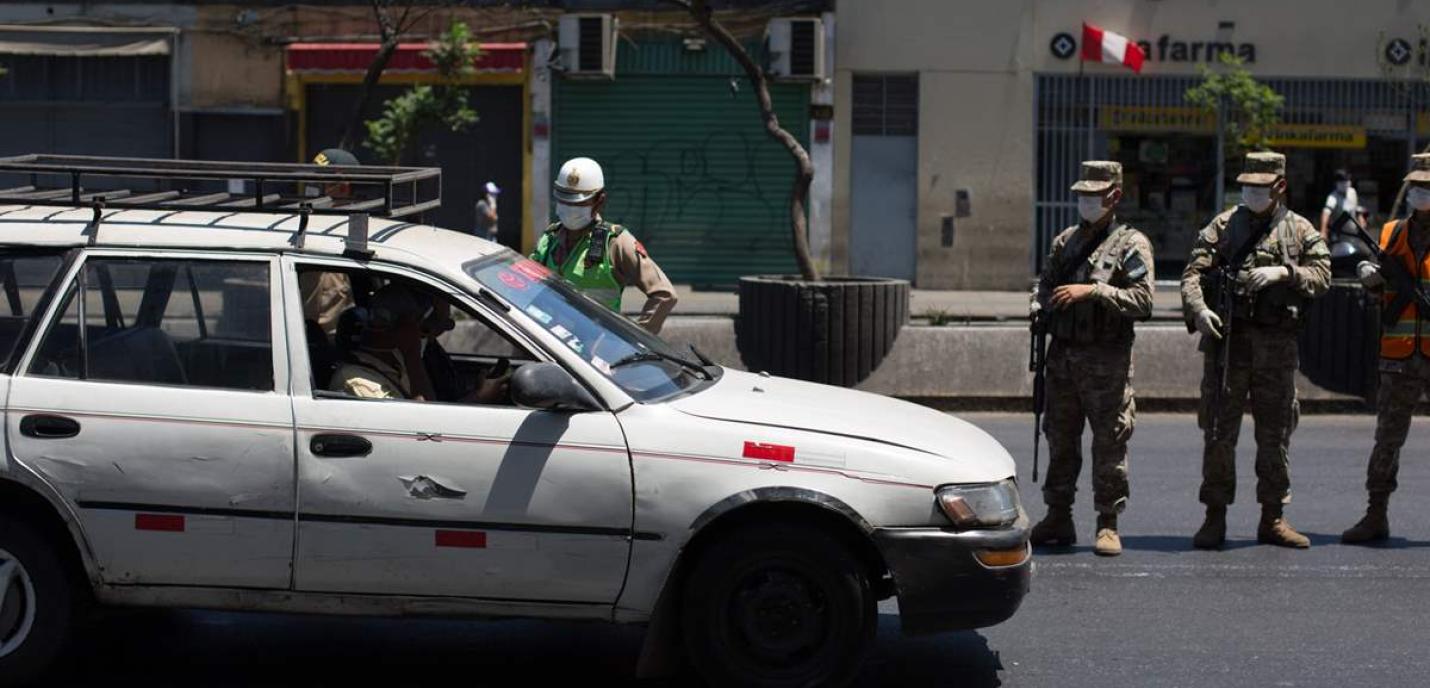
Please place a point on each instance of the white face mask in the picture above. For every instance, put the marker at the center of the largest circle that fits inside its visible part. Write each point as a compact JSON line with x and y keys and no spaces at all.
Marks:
{"x":1256,"y":198}
{"x":574,"y":216}
{"x":1090,"y":207}
{"x":1343,"y":187}
{"x":1419,"y":198}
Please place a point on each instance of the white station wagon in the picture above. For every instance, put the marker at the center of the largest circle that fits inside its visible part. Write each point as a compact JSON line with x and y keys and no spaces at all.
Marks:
{"x":171,"y":440}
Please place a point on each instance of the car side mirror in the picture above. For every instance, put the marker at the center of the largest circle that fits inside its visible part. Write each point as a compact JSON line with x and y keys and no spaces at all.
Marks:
{"x":549,"y":387}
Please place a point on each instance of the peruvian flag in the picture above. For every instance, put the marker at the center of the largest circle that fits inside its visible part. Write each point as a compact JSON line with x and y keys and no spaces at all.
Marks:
{"x":1110,"y":48}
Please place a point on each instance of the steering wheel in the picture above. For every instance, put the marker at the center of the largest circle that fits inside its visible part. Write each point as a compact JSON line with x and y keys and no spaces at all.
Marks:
{"x":500,"y":368}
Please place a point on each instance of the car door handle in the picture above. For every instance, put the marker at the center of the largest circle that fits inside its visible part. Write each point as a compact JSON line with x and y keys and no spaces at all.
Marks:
{"x":337,"y":445}
{"x":47,"y":427}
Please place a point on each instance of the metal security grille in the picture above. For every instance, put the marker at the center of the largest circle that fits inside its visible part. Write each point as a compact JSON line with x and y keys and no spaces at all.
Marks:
{"x":1067,"y":115}
{"x":886,"y":105}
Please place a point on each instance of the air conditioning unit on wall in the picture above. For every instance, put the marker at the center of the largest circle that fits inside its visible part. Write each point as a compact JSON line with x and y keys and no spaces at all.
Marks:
{"x":587,"y":43}
{"x":796,"y":47}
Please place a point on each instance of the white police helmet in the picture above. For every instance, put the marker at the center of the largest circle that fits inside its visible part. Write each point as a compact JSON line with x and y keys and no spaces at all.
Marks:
{"x":579,"y":180}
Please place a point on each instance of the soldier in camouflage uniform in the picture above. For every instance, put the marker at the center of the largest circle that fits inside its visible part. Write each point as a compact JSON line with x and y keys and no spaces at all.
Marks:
{"x":1404,"y":352}
{"x":1096,"y":282}
{"x":1278,"y":262}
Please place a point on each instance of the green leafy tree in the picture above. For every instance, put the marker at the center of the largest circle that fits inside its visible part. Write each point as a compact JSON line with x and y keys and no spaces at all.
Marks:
{"x":1251,"y":107}
{"x":442,"y":105}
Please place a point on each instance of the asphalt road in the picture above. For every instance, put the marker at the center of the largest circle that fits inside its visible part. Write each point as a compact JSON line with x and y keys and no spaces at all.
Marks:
{"x":1160,"y":615}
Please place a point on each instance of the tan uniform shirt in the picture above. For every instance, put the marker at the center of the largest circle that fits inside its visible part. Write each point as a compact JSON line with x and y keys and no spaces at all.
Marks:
{"x":372,"y":377}
{"x":633,"y":268}
{"x":325,"y":296}
{"x":1133,"y":301}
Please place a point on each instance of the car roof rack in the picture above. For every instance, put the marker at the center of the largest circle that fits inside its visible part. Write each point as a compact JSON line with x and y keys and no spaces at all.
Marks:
{"x":160,"y":184}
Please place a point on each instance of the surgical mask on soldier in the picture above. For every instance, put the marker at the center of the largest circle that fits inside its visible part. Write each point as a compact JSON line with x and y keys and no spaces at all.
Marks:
{"x":574,"y":216}
{"x":1089,"y":207}
{"x":1256,"y":198}
{"x":1419,"y":198}
{"x":1343,"y":187}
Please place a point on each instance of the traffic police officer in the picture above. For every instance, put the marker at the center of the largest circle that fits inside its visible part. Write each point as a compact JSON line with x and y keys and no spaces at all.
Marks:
{"x":1404,"y":352}
{"x":1280,"y":262}
{"x":597,"y":257}
{"x":1097,"y":281}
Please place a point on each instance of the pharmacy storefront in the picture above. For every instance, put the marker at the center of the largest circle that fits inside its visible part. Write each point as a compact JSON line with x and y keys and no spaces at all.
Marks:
{"x":1358,"y":104}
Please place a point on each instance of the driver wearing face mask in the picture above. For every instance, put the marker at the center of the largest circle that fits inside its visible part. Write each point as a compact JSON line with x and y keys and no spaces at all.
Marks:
{"x":599,"y":258}
{"x":1279,"y":263}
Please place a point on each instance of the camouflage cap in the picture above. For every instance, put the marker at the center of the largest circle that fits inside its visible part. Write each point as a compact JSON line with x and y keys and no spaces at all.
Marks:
{"x":1098,"y":175}
{"x":1262,"y":168}
{"x":1419,"y":169}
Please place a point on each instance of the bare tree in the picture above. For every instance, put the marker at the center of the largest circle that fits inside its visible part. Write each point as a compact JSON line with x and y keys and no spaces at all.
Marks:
{"x":390,"y":29}
{"x":804,"y":168}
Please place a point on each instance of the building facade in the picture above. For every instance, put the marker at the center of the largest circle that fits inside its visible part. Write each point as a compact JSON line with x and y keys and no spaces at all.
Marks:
{"x":959,"y":125}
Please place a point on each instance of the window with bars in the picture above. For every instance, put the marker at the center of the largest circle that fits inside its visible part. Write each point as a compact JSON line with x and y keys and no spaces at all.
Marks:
{"x":886,"y":105}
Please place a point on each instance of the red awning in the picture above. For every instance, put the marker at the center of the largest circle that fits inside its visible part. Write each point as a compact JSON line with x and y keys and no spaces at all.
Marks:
{"x":355,"y":57}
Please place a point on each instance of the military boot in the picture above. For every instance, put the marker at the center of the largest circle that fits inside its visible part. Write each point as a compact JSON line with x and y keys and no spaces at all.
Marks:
{"x":1374,"y":526}
{"x":1213,"y":531}
{"x":1274,"y":530}
{"x":1055,"y":529}
{"x":1109,"y":544}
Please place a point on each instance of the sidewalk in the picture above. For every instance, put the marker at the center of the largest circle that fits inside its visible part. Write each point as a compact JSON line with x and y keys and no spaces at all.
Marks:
{"x":926,"y":305}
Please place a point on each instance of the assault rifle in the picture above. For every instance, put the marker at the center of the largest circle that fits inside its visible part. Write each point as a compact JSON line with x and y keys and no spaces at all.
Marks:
{"x":1221,"y":284}
{"x":1401,"y":280}
{"x":1038,"y":366}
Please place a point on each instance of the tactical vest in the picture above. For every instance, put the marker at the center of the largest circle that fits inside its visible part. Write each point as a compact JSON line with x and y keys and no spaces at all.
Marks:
{"x":1091,"y":322}
{"x":1408,"y":334}
{"x":1279,"y":305}
{"x":593,"y":275}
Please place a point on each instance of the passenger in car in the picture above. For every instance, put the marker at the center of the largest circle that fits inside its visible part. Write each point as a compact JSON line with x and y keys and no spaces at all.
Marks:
{"x":386,"y":362}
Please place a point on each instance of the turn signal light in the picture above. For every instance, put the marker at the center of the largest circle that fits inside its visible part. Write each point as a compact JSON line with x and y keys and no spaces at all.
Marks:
{"x":1003,"y":557}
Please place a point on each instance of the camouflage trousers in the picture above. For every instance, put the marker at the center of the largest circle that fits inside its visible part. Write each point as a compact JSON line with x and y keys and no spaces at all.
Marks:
{"x":1401,"y":384}
{"x":1263,"y":371}
{"x":1093,"y":386}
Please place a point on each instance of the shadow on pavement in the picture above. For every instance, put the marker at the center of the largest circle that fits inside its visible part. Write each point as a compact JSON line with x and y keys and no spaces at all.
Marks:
{"x":960,"y":658}
{"x":179,"y":648}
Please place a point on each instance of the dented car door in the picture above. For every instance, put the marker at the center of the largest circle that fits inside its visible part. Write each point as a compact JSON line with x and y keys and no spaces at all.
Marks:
{"x":472,"y":500}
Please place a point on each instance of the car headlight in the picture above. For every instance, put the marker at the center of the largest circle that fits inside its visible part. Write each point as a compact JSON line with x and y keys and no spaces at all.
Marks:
{"x":990,"y":505}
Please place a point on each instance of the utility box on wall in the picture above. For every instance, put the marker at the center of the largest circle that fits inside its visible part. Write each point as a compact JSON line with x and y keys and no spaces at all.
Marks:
{"x":587,"y":45}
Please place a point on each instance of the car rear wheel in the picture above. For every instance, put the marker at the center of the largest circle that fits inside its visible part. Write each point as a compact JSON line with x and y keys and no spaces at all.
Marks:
{"x":778,"y":606}
{"x":36,"y":604}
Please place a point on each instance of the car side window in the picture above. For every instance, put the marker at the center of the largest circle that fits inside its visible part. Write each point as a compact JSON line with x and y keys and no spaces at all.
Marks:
{"x":196,"y":323}
{"x":24,"y":277}
{"x":464,"y":359}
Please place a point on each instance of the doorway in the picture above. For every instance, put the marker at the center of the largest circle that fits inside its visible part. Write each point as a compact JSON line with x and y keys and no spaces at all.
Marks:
{"x":884,"y":192}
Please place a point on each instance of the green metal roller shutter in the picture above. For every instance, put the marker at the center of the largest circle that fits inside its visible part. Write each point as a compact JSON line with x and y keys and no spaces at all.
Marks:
{"x":689,"y":167}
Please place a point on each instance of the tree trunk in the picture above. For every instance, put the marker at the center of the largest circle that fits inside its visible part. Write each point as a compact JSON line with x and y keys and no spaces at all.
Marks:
{"x":369,"y":88}
{"x":804,"y":168}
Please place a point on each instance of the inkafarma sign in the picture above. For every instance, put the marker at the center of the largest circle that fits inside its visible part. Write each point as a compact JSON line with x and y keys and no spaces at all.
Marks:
{"x":1167,"y":49}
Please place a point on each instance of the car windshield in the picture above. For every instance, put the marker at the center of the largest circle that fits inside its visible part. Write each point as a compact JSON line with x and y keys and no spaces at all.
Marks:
{"x":640,"y":363}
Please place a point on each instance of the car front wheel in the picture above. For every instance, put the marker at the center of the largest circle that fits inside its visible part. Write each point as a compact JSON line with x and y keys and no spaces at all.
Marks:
{"x":778,"y":606}
{"x":36,"y":604}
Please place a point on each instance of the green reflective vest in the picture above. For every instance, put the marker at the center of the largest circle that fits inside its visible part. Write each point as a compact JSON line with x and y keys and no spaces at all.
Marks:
{"x":596,"y":279}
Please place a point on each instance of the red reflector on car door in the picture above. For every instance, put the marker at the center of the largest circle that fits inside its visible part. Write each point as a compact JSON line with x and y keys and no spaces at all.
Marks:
{"x":168,"y":523}
{"x":472,"y":539}
{"x":769,"y":452}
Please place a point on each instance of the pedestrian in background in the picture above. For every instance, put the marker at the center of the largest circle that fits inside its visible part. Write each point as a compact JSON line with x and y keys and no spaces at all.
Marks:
{"x":1097,"y":282}
{"x":1343,"y":198}
{"x":487,"y":212}
{"x":1404,"y":352}
{"x":1279,"y":263}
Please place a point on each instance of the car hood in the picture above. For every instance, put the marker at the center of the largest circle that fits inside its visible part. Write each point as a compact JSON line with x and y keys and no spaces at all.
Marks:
{"x":780,"y":402}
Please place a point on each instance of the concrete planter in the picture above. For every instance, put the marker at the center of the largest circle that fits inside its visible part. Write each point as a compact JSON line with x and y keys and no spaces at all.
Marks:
{"x":836,"y":331}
